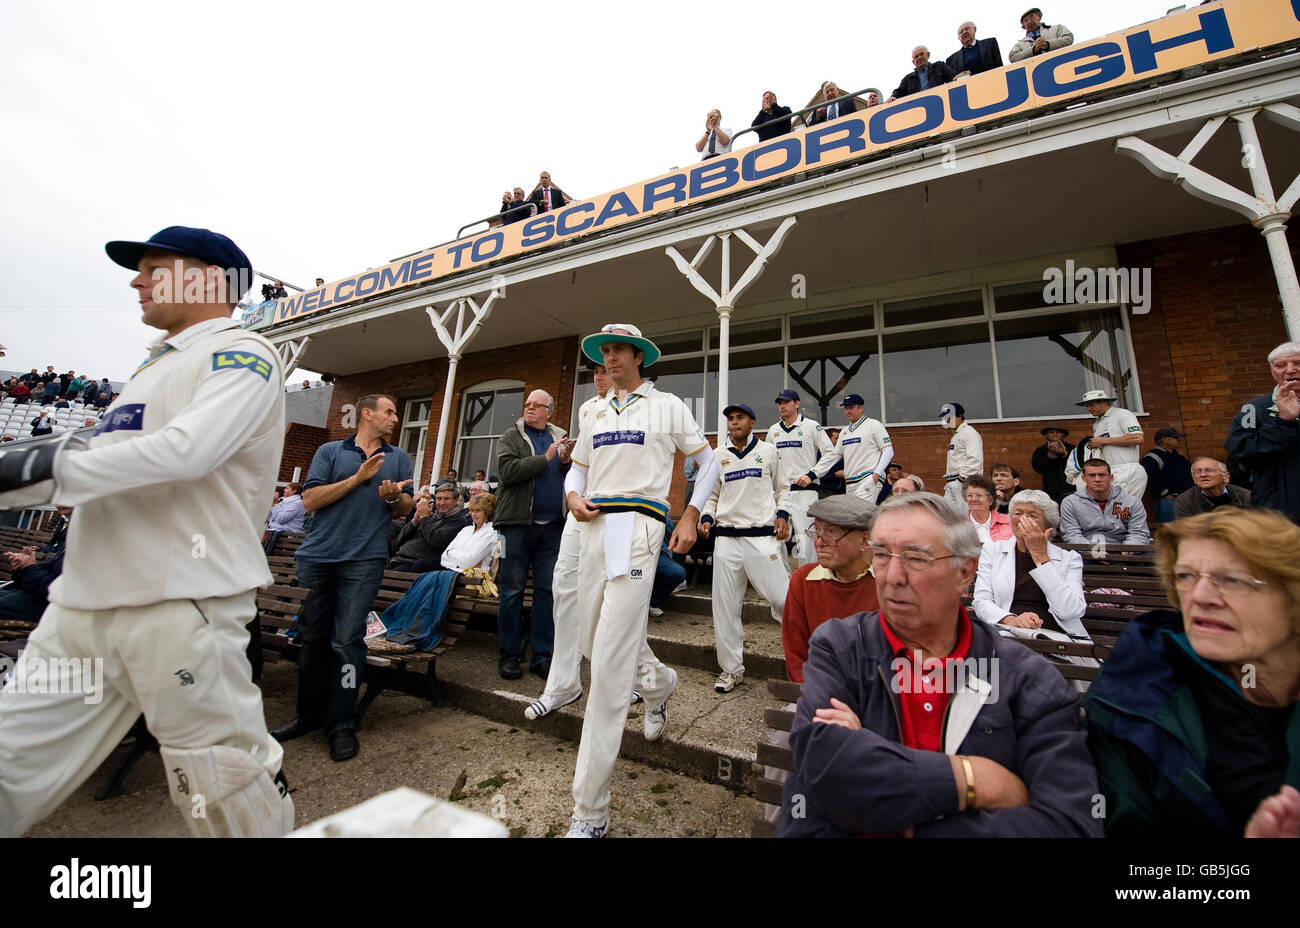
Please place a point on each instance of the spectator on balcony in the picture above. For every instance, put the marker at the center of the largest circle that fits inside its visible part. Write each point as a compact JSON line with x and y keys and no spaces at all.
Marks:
{"x":38,"y":392}
{"x":32,"y":378}
{"x":547,"y":197}
{"x":838,"y":104}
{"x":75,"y":386}
{"x":515,"y":208}
{"x":975,"y":55}
{"x":924,"y":74}
{"x":1211,"y":490}
{"x":1039,"y":38}
{"x":773,"y":119}
{"x":21,"y":393}
{"x":102,"y":400}
{"x":53,"y":390}
{"x":320,"y":281}
{"x":873,"y":99}
{"x":716,"y":140}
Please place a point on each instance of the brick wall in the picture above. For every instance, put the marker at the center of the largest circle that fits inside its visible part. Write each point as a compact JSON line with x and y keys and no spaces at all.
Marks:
{"x":300,"y":443}
{"x":540,"y":365}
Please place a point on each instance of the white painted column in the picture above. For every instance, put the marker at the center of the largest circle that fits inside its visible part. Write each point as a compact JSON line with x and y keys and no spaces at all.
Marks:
{"x":455,"y":342}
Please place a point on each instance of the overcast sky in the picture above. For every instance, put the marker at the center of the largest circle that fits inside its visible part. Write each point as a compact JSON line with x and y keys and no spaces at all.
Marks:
{"x":326,"y":138}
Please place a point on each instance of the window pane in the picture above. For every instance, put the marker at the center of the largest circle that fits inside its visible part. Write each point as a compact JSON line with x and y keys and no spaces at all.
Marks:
{"x":755,"y":378}
{"x":1045,"y":363}
{"x":934,"y":308}
{"x":839,"y":322}
{"x":1013,"y":297}
{"x":753,"y":333}
{"x":684,"y":379}
{"x":477,"y":454}
{"x":822,"y":374}
{"x":507,"y":409}
{"x":477,"y":419}
{"x":924,"y":370}
{"x":679,"y":342}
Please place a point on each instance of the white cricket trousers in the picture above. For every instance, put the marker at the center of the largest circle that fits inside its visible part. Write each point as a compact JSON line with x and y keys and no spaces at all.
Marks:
{"x":1131,"y":479}
{"x":612,"y":617}
{"x":866,"y":489}
{"x":955,"y":491}
{"x":182,"y":662}
{"x":566,"y":652}
{"x":805,"y":551}
{"x":760,"y":561}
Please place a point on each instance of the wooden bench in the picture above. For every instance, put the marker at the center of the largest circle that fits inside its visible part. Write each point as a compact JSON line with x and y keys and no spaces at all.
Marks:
{"x":777,"y":719}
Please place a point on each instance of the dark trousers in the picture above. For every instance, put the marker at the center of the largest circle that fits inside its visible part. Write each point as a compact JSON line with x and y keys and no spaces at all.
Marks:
{"x":536,"y":547}
{"x":19,"y":604}
{"x":668,"y":574}
{"x":332,"y":634}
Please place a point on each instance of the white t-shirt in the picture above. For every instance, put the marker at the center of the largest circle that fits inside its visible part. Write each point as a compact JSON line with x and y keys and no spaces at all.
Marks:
{"x":1114,"y":422}
{"x":862,"y":444}
{"x":802,"y":448}
{"x":173,"y":488}
{"x":628,"y":450}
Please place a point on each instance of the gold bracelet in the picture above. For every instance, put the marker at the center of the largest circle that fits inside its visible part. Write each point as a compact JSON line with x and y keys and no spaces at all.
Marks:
{"x":970,"y":782}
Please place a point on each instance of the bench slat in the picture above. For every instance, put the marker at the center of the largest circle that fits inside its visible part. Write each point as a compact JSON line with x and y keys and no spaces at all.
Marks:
{"x":775,"y":756}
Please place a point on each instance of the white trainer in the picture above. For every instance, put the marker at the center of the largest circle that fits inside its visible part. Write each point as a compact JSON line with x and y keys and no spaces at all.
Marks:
{"x":656,"y":717}
{"x":547,"y":703}
{"x":581,"y":829}
{"x":728,"y":682}
{"x":655,"y":612}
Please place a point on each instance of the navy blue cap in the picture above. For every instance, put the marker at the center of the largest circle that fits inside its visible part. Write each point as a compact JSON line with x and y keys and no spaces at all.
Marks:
{"x":208,"y":246}
{"x":787,"y":395}
{"x":953,"y":409}
{"x":853,"y":399}
{"x":740,"y":407}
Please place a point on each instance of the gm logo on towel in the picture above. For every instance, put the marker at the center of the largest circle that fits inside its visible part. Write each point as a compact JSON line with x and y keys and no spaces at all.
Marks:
{"x":237,"y":360}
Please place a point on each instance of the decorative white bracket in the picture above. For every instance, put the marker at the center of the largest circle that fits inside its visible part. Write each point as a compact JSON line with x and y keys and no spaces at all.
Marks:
{"x":455,"y":340}
{"x":1266,"y":212}
{"x":291,"y":353}
{"x":724,"y":299}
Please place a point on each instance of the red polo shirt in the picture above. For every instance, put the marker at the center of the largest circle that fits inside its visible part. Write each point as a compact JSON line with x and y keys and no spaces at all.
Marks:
{"x":923,"y":697}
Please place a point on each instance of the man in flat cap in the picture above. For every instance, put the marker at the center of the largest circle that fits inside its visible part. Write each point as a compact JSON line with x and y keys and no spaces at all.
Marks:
{"x":866,"y":449}
{"x":748,"y":516}
{"x":807,"y":454}
{"x":180,"y":469}
{"x":1039,"y":37}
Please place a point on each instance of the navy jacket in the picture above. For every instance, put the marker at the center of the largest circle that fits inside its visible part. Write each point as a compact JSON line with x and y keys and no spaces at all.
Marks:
{"x":866,"y":782}
{"x":990,"y":57}
{"x":1270,"y":448}
{"x":937,"y":72}
{"x":1168,"y":472}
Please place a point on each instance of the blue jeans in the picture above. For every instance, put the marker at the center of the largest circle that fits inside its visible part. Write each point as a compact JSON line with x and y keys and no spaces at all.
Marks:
{"x":1165,"y":509}
{"x":668,"y":573}
{"x":332,"y":633}
{"x":528,"y":546}
{"x":18,"y":604}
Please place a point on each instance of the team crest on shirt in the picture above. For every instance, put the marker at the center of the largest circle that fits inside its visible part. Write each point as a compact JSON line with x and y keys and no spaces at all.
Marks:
{"x":725,"y":461}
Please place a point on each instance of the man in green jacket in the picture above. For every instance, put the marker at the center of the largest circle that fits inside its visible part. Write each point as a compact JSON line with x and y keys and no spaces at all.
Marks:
{"x":532,"y":458}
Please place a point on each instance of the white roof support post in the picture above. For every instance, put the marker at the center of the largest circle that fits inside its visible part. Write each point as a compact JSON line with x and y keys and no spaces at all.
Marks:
{"x":455,"y":340}
{"x":291,"y":353}
{"x":1265,"y":211}
{"x":724,"y":299}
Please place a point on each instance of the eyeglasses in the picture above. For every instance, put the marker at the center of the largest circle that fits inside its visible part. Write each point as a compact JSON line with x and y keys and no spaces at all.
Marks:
{"x":537,"y":406}
{"x":913,"y":561}
{"x":1229,"y":583}
{"x":1205,"y":471}
{"x":826,"y":537}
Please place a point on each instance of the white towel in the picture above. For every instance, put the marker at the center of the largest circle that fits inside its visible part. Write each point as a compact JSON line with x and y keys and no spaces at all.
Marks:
{"x":618,"y":543}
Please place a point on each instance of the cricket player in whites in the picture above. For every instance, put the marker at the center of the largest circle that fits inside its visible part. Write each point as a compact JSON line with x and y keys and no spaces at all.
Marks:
{"x":564,"y":682}
{"x":618,"y":485}
{"x":748,"y":516}
{"x":965,"y":453}
{"x":175,"y":482}
{"x":807,"y":455}
{"x":866,"y":448}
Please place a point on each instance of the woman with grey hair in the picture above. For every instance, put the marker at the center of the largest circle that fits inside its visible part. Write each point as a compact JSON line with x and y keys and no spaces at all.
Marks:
{"x":1027,"y":585}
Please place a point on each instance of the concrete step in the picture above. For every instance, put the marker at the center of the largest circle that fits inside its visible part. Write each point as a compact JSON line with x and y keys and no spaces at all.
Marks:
{"x":686,"y":639}
{"x":698,"y":600}
{"x":710,"y":737}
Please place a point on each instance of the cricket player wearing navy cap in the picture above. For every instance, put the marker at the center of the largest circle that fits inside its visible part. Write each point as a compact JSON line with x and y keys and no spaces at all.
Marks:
{"x":748,"y":516}
{"x":866,"y":448}
{"x":174,"y":479}
{"x":807,"y":454}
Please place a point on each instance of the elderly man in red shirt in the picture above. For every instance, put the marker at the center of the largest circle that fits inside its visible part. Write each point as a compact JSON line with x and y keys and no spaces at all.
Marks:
{"x":916,"y":721}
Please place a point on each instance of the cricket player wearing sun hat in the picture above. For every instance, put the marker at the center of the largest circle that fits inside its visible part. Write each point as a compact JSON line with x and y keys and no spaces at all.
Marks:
{"x":175,"y":478}
{"x":618,"y":484}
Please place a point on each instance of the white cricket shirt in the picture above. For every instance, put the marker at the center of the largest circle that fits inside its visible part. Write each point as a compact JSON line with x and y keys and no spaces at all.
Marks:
{"x":804,"y":450}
